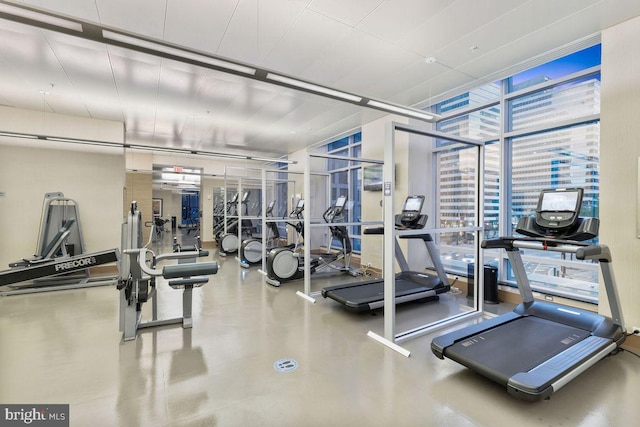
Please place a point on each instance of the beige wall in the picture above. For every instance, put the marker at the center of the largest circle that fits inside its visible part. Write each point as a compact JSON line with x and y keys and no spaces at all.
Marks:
{"x":373,"y":141}
{"x":138,"y":189}
{"x":94,"y":180}
{"x":619,"y":152}
{"x":92,"y":176}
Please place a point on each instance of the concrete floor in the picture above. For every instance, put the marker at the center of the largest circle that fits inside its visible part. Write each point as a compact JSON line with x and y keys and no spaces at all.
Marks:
{"x":65,"y":347}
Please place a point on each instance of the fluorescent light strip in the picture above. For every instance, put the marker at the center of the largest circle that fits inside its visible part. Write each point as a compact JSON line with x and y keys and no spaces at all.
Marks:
{"x":18,"y":135}
{"x":145,"y":147}
{"x":185,"y":54}
{"x":402,"y":110}
{"x":84,"y":141}
{"x":264,"y":159}
{"x":40,"y":17}
{"x":313,"y":88}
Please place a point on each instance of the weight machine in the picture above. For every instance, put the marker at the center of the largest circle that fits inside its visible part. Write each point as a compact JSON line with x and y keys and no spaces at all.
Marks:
{"x":137,"y":283}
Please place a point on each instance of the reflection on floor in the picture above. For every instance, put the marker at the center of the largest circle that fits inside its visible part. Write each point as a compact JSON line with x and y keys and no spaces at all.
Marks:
{"x":64,"y":347}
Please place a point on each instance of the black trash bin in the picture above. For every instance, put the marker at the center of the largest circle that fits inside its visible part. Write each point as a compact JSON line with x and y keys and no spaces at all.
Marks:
{"x":490,"y":283}
{"x":173,"y":223}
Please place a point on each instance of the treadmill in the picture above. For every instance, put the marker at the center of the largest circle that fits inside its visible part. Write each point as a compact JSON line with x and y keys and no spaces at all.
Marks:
{"x":540,"y":346}
{"x":410,"y":285}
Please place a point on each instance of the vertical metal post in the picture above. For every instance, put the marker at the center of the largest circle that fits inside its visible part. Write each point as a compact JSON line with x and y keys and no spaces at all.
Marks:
{"x":307,"y":224}
{"x":239,"y":213}
{"x":264,"y":218}
{"x":479,"y":254}
{"x":388,"y":267}
{"x":226,"y":200}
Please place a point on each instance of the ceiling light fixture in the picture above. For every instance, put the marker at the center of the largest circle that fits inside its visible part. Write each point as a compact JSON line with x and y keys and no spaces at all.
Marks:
{"x":418,"y":114}
{"x":313,"y":87}
{"x":82,"y":141}
{"x":430,"y":60}
{"x":43,"y":18}
{"x":143,"y":147}
{"x":180,"y":53}
{"x":18,"y":135}
{"x":265,"y":159}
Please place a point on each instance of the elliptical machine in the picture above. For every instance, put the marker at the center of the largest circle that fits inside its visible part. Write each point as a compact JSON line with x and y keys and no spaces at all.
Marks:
{"x":220,"y":220}
{"x":251,"y":249}
{"x":285,"y":264}
{"x":228,"y":242}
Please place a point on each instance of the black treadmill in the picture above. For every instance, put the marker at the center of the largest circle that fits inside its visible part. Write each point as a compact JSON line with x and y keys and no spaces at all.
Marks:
{"x":410,"y":285}
{"x":540,"y":346}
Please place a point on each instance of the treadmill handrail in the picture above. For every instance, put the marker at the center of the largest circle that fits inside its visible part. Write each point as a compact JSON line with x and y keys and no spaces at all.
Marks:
{"x":510,"y":242}
{"x":583,"y":251}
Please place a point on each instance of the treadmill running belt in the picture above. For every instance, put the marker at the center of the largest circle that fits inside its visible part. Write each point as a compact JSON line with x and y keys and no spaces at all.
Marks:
{"x":369,"y":292}
{"x":526,"y":343}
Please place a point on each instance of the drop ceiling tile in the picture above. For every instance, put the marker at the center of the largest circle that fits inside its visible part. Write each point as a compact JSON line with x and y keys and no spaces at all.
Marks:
{"x":240,"y":39}
{"x":347,"y":12}
{"x":393,"y":19}
{"x":83,"y":9}
{"x":312,"y":36}
{"x":256,"y":28}
{"x":146,"y":17}
{"x":197,"y":24}
{"x":513,"y":26}
{"x":444,"y":26}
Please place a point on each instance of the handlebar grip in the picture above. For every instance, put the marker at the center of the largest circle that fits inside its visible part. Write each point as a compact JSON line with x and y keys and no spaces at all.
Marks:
{"x":501,"y":243}
{"x":599,"y":252}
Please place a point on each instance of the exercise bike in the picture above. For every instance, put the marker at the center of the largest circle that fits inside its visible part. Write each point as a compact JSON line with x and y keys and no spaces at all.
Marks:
{"x":251,"y":249}
{"x":286,"y":264}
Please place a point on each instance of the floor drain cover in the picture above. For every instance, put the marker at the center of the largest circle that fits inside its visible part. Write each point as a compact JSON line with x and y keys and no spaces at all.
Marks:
{"x":285,"y":365}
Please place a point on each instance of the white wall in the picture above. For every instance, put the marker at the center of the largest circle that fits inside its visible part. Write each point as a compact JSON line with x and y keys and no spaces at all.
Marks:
{"x":619,"y":152}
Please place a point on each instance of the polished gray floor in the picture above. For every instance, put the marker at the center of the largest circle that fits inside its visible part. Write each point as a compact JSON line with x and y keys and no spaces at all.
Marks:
{"x":65,"y":347}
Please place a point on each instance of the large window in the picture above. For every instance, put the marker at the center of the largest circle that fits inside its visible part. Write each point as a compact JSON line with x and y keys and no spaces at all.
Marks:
{"x":541,"y":130}
{"x":346,"y":176}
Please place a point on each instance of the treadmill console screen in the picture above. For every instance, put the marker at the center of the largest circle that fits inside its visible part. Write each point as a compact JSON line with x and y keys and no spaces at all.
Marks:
{"x":558,"y":208}
{"x":412,"y":208}
{"x":234,"y":198}
{"x":245,"y":196}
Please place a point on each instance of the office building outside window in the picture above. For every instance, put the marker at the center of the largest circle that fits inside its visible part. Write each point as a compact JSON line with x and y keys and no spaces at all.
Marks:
{"x":541,"y":130}
{"x":346,"y":179}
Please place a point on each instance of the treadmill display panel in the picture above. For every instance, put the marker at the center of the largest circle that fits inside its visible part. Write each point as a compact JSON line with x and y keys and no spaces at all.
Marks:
{"x":558,"y":208}
{"x":413,"y":203}
{"x":412,"y":208}
{"x":560,"y":201}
